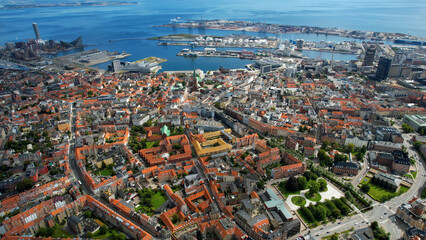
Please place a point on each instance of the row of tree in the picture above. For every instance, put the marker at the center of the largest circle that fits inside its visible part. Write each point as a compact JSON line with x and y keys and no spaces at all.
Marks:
{"x":330,"y":209}
{"x":384,"y":184}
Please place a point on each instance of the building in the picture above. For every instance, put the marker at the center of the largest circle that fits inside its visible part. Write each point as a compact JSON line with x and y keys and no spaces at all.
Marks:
{"x":383,"y":68}
{"x":413,"y":214}
{"x":415,"y":121}
{"x":36,"y":31}
{"x":75,"y":224}
{"x":414,"y":234}
{"x":370,"y":52}
{"x":294,"y":167}
{"x":398,"y":161}
{"x":357,"y":141}
{"x":386,"y":180}
{"x":274,"y":204}
{"x":348,"y":168}
{"x":386,"y":146}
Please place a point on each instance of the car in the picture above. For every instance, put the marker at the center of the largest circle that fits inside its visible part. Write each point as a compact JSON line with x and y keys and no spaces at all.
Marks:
{"x":339,"y":222}
{"x":381,"y":217}
{"x":385,"y":213}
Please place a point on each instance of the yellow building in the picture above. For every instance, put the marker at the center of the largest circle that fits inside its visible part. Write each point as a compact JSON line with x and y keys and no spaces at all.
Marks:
{"x":107,"y":162}
{"x":214,"y":146}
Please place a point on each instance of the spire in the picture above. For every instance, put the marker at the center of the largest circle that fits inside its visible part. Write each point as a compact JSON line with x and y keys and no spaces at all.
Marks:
{"x":194,"y":81}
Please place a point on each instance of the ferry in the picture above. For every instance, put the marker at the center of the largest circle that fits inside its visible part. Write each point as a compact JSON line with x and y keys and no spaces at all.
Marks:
{"x":174,"y":20}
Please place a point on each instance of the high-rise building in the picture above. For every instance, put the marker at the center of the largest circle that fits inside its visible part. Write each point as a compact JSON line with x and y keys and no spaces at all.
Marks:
{"x":300,"y":43}
{"x":37,"y":33}
{"x":370,"y":52}
{"x":383,"y":68}
{"x":194,"y":81}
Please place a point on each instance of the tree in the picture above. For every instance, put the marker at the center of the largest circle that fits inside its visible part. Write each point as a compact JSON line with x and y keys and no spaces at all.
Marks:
{"x":292,"y":184}
{"x":417,"y":145}
{"x":365,"y":188}
{"x":313,"y":188}
{"x":350,"y":148}
{"x":340,"y":158}
{"x":359,"y":156}
{"x":363,"y":149}
{"x":335,"y":236}
{"x":407,"y":128}
{"x":90,"y":93}
{"x":26,"y":184}
{"x":336,"y":213}
{"x":103,"y":230}
{"x":147,"y":123}
{"x":421,"y":131}
{"x":324,"y":144}
{"x":121,"y":236}
{"x":348,"y":195}
{"x":324,"y":159}
{"x":307,"y":214}
{"x":41,"y":232}
{"x":307,"y":175}
{"x":334,"y":145}
{"x":322,"y":185}
{"x":87,"y":214}
{"x":89,"y":235}
{"x":319,"y":212}
{"x":261,"y":184}
{"x":378,"y":232}
{"x":303,"y":183}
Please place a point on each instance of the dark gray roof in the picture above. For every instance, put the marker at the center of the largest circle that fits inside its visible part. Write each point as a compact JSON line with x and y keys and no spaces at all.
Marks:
{"x":345,"y":165}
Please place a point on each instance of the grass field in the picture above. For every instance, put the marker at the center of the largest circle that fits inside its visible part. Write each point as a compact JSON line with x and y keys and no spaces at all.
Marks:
{"x":315,"y":198}
{"x":107,"y":172}
{"x":298,"y":201}
{"x":381,"y":194}
{"x":150,"y":144}
{"x":365,"y":180}
{"x":158,"y":199}
{"x":286,"y":192}
{"x":60,"y":233}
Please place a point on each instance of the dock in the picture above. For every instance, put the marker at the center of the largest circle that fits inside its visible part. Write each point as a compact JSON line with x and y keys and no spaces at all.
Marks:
{"x":92,"y":57}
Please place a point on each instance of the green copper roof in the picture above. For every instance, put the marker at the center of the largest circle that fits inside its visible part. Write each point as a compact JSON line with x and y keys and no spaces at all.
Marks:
{"x":165,"y":130}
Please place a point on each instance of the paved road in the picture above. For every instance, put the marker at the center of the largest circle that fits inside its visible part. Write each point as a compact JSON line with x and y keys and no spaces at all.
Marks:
{"x":361,"y":173}
{"x":383,"y":213}
{"x":72,"y":160}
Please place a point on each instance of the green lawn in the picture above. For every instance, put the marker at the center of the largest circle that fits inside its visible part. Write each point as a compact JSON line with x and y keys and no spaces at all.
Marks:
{"x":286,"y":192}
{"x":381,"y":194}
{"x":298,"y":201}
{"x":315,"y":198}
{"x":365,"y":180}
{"x":158,"y":199}
{"x":104,"y":237}
{"x":151,"y":144}
{"x":107,"y":172}
{"x":60,"y":233}
{"x":414,"y":174}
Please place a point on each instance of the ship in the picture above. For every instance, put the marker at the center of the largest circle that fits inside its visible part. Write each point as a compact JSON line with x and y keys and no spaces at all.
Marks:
{"x":174,"y":20}
{"x":409,"y":41}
